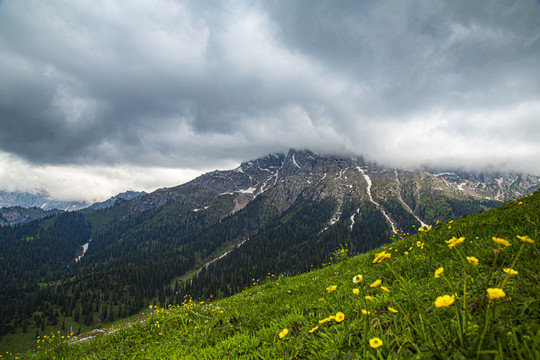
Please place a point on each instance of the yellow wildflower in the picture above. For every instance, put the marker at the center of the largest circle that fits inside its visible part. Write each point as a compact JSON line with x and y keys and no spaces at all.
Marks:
{"x":365,"y":312}
{"x":375,"y":342}
{"x":425,"y":229}
{"x":339,"y":317}
{"x":419,"y":243}
{"x":510,"y":271}
{"x":438,"y":272}
{"x":314,"y":329}
{"x":283,"y":333}
{"x":356,"y":291}
{"x":451,"y":221}
{"x":445,"y":300}
{"x":454,"y":241}
{"x":392,"y":310}
{"x":381,"y":257}
{"x":376,"y":283}
{"x":330,"y":318}
{"x":525,"y":239}
{"x":331,"y":288}
{"x":384,"y":288}
{"x":472,"y":260}
{"x":357,"y":279}
{"x":495,"y":293}
{"x":406,"y":253}
{"x":368,"y":298}
{"x":501,"y":241}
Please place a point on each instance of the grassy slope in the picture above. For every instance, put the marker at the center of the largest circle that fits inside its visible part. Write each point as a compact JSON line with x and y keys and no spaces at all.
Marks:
{"x":248,"y":325}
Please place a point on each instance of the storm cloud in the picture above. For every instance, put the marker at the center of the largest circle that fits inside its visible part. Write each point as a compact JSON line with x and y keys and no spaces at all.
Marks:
{"x":182,"y":87}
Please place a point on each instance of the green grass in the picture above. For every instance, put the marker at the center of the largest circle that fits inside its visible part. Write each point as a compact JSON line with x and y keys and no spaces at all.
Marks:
{"x":248,"y":325}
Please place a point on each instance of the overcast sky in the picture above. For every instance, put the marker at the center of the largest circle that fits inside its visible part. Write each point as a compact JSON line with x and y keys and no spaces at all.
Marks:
{"x":97,"y":97}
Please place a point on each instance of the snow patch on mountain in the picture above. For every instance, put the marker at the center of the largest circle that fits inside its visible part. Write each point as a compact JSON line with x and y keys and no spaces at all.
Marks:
{"x":85,"y":248}
{"x":294,"y":162}
{"x":368,"y":189}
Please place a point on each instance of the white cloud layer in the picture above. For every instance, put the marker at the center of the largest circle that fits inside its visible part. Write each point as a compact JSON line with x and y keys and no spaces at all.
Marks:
{"x":113,"y":95}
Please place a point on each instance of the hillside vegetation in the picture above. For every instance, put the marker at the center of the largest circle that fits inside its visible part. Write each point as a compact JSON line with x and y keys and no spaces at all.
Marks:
{"x":463,"y":289}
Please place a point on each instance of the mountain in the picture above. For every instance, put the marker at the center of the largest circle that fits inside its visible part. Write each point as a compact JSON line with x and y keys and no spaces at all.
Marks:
{"x":115,"y":200}
{"x":211,"y":236}
{"x":14,"y":215}
{"x":41,"y":199}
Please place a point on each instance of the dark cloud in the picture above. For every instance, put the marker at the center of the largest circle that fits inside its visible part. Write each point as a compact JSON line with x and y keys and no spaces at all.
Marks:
{"x":196,"y":85}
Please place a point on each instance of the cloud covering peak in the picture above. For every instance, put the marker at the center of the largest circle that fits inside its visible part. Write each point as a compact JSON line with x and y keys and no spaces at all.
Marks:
{"x":186,"y":86}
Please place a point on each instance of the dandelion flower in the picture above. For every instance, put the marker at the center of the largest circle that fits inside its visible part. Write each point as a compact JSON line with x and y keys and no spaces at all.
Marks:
{"x":357,"y":279}
{"x":368,"y":298}
{"x":376,"y":283}
{"x":375,"y":342}
{"x":510,"y":271}
{"x":472,"y":260}
{"x":453,"y":242}
{"x":495,"y":293}
{"x":525,"y":239}
{"x":381,"y":257}
{"x":365,"y":312}
{"x":331,"y":288}
{"x":438,"y":272}
{"x":445,"y":300}
{"x":339,"y":317}
{"x":356,"y":291}
{"x":314,"y":329}
{"x":501,"y":241}
{"x":392,"y":310}
{"x":425,"y":229}
{"x":384,"y":288}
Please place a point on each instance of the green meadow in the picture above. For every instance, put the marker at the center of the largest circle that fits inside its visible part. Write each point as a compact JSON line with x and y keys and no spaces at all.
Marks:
{"x":466,"y":289}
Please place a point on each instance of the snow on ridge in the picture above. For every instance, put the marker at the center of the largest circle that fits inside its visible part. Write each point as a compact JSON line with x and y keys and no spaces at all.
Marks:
{"x":294,"y":162}
{"x":249,"y":190}
{"x":368,"y":180}
{"x":445,"y":173}
{"x":460,"y":186}
{"x":265,"y":170}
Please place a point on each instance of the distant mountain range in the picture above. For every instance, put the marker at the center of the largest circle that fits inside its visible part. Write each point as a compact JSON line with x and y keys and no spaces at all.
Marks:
{"x":214,"y":234}
{"x":22,"y":207}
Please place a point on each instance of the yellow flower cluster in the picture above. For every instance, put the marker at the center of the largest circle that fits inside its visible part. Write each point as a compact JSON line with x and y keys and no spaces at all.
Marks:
{"x":331,"y":288}
{"x":381,"y":257}
{"x":472,"y":260}
{"x":425,"y":229}
{"x":453,"y":242}
{"x":339,"y":317}
{"x":510,"y":271}
{"x":438,"y":272}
